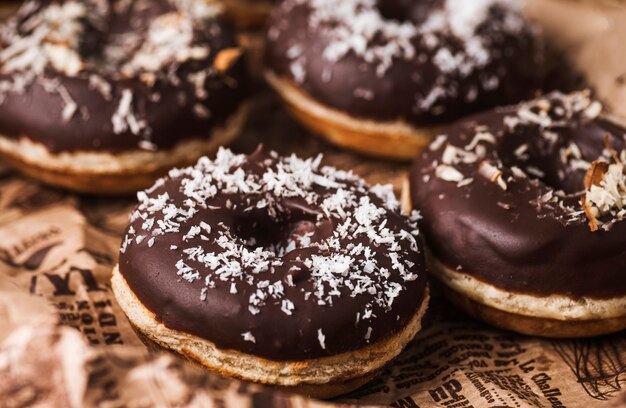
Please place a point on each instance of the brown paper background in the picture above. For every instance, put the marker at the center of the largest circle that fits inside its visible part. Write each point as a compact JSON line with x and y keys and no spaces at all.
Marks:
{"x":65,"y":342}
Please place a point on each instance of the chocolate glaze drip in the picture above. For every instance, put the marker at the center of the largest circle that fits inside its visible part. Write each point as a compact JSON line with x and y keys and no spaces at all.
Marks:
{"x":418,"y":89}
{"x":522,"y":240}
{"x":170,"y":106}
{"x":283,"y":223}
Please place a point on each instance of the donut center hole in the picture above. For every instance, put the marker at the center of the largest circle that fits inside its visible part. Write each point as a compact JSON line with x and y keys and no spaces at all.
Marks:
{"x":401,"y":11}
{"x":280,"y":238}
{"x":542,"y":162}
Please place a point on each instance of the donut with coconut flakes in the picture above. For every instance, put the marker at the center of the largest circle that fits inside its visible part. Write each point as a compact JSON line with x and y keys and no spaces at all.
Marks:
{"x":275,"y":270}
{"x":523,"y":210}
{"x":106,"y":96}
{"x":382,"y":77}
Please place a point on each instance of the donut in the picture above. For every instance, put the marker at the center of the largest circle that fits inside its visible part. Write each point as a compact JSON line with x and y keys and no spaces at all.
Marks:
{"x":383,"y":77}
{"x":106,"y":96}
{"x":522,"y":209}
{"x":275,"y":270}
{"x":248,"y":14}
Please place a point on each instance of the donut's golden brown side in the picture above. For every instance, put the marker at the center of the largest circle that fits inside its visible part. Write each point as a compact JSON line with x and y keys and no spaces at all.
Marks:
{"x":107,"y":173}
{"x":311,"y":390}
{"x":247,"y":14}
{"x":532,"y":325}
{"x":390,"y":140}
{"x":321,"y":377}
{"x":552,"y":316}
{"x":555,"y":316}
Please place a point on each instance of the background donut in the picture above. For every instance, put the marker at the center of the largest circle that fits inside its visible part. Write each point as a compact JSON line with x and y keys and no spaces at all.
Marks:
{"x":508,"y":236}
{"x":381,"y":78}
{"x":104,"y":97}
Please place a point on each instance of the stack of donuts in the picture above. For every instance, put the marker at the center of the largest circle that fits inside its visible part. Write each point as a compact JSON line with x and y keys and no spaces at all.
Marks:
{"x":286,"y":272}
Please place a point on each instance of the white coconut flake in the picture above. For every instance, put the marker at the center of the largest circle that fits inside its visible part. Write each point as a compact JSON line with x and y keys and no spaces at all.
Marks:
{"x":609,"y":197}
{"x":124,"y":118}
{"x":321,"y":339}
{"x":492,"y":173}
{"x":438,"y":142}
{"x":448,"y":173}
{"x":247,"y":336}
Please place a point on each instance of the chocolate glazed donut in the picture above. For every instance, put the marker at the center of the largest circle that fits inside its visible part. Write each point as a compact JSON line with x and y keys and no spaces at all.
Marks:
{"x":274,"y":270}
{"x":522,"y":215}
{"x":105,"y":96}
{"x":382,"y":77}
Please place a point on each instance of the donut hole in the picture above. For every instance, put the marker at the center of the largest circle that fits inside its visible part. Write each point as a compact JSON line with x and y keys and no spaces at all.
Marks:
{"x":403,"y":11}
{"x":278,"y":237}
{"x":539,"y":167}
{"x":258,"y":234}
{"x":541,"y":159}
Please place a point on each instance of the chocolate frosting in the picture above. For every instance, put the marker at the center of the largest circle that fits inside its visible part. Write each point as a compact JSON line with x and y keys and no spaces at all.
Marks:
{"x":533,"y":237}
{"x":280,"y":258}
{"x":423,"y":62}
{"x":168,"y":96}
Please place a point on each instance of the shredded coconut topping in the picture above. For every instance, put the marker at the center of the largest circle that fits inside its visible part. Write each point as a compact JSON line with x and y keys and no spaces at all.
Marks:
{"x":449,"y":39}
{"x":352,"y":25}
{"x":46,"y":43}
{"x":321,"y":338}
{"x":169,"y":39}
{"x":358,"y":26}
{"x":247,"y":336}
{"x":51,"y":37}
{"x":52,"y":40}
{"x":605,"y":194}
{"x":603,"y":199}
{"x":609,"y":197}
{"x":124,"y":118}
{"x":556,"y":110}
